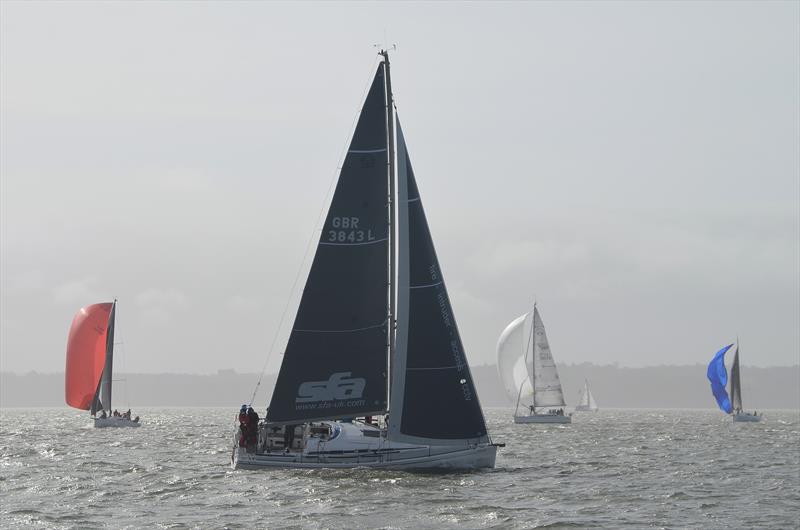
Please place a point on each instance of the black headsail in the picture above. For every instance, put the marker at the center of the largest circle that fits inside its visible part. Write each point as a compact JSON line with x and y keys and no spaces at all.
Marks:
{"x":335,"y":362}
{"x":102,"y":397}
{"x":433,"y":395}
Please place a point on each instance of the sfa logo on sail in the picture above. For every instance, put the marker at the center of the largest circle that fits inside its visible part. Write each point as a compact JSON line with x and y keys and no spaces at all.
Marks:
{"x":339,"y":391}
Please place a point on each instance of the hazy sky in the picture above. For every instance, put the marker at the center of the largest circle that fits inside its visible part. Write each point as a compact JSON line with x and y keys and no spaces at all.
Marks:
{"x":634,"y":167}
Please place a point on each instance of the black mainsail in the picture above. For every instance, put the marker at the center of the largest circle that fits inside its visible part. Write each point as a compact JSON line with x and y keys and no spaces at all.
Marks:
{"x":102,"y":396}
{"x":335,"y":364}
{"x":736,"y":383}
{"x":433,"y":394}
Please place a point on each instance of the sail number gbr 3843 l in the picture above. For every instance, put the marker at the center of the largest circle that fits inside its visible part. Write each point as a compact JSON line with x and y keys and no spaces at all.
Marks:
{"x":347,"y":230}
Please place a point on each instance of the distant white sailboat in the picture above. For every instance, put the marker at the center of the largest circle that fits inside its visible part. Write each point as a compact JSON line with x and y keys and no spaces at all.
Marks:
{"x":718,"y":375}
{"x":529,"y":372}
{"x":586,"y":402}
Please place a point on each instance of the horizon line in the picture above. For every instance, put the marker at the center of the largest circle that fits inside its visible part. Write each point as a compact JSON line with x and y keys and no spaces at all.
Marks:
{"x":233,"y":371}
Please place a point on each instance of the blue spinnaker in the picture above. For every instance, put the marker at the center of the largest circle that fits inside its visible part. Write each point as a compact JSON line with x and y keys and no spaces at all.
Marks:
{"x":718,"y":376}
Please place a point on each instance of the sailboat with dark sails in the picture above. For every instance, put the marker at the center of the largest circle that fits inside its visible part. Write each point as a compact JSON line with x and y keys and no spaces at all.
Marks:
{"x":88,"y":378}
{"x":375,"y":334}
{"x":718,"y":377}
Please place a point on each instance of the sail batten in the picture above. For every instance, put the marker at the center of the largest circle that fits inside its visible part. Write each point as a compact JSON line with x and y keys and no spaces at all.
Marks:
{"x":354,"y":330}
{"x":356,"y":244}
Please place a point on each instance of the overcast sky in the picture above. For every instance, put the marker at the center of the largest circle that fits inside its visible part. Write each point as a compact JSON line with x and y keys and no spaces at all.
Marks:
{"x":633,"y":167}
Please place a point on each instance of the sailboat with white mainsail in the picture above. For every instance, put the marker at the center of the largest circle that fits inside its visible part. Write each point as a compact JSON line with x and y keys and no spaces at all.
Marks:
{"x":90,"y":364}
{"x":718,"y":377}
{"x":375,"y":334}
{"x":586,"y":402}
{"x":529,"y":372}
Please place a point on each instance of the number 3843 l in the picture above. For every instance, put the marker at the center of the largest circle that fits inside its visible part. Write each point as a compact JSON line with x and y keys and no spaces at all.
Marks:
{"x":346,"y":230}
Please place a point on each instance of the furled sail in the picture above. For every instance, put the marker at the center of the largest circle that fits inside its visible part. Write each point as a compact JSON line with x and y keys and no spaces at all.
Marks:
{"x":335,"y":362}
{"x":512,"y":363}
{"x":718,"y":377}
{"x":87,"y":345}
{"x":547,"y":390}
{"x":433,"y":394}
{"x":736,"y":383}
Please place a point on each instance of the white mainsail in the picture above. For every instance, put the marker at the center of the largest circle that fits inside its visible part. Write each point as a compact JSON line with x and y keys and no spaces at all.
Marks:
{"x":526,"y":367}
{"x":586,"y":399}
{"x":546,"y":383}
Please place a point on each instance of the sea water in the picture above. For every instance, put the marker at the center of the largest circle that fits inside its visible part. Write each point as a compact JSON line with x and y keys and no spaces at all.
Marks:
{"x":610,"y":469}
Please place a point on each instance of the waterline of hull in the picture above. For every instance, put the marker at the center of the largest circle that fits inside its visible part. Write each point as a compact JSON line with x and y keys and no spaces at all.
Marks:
{"x":746,"y":417}
{"x":543,"y":418}
{"x":417,"y":458}
{"x":115,"y":422}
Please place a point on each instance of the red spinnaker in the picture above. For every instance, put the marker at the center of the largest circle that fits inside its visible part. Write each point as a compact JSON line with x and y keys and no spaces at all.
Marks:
{"x":86,"y":354}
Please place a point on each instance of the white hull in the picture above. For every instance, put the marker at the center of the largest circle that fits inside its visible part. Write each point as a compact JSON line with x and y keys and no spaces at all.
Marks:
{"x":350,"y":448}
{"x":543,"y":418}
{"x":746,"y":417}
{"x":115,"y":422}
{"x":585,"y":408}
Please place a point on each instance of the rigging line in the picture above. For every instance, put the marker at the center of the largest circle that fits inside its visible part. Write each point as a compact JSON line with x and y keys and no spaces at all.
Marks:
{"x":317,"y":228}
{"x":124,"y":356}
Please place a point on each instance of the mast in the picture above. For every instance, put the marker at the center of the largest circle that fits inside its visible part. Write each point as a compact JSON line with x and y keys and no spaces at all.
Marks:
{"x":533,"y":357}
{"x":391,"y":320}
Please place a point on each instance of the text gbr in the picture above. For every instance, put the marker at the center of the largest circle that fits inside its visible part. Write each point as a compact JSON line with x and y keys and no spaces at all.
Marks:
{"x":346,"y":230}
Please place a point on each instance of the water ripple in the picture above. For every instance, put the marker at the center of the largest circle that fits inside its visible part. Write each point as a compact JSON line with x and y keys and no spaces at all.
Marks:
{"x":612,"y":469}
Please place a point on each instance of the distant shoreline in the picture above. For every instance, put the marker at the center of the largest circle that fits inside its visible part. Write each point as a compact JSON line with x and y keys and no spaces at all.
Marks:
{"x":614,"y":387}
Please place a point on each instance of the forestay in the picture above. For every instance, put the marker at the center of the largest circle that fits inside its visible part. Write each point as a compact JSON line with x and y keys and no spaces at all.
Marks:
{"x":335,"y":362}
